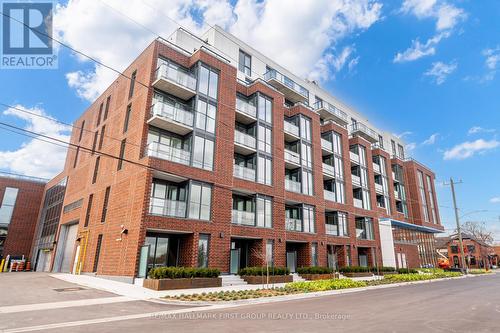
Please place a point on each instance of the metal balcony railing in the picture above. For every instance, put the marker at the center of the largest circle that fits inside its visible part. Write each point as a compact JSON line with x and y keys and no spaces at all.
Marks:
{"x":286,"y":81}
{"x":334,"y":111}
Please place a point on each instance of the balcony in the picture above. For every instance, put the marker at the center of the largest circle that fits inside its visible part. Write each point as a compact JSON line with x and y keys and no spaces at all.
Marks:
{"x":169,"y":153}
{"x":244,"y":143}
{"x":356,"y":181}
{"x":292,"y":90}
{"x":329,"y":195}
{"x":354,"y":157}
{"x":377,"y":169}
{"x":291,"y":131}
{"x":246,"y":113}
{"x":243,"y":172}
{"x":379,"y":188}
{"x":397,"y":195}
{"x":174,"y":118}
{"x":358,"y":203}
{"x":243,"y":217}
{"x":332,"y":229}
{"x":360,"y":129}
{"x":165,"y":207}
{"x":326,"y":146}
{"x":328,"y":171}
{"x":175,"y":81}
{"x":292,"y":186}
{"x":329,"y":112}
{"x":292,"y":159}
{"x":293,"y":224}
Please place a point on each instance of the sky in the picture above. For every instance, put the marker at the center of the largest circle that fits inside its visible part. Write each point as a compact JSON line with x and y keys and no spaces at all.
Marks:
{"x":425,"y":70}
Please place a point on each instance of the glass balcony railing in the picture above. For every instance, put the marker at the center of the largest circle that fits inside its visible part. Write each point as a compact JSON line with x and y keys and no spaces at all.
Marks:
{"x":246,"y":108}
{"x":364,"y":131}
{"x":292,"y":185}
{"x":354,"y":157}
{"x":358,"y":203}
{"x":331,"y":109}
{"x":376,"y":168}
{"x":329,"y":195}
{"x":291,"y":128}
{"x":244,"y":139}
{"x":176,"y":75}
{"x":244,"y":172}
{"x":166,"y":207}
{"x":293,"y":224}
{"x":243,"y":217}
{"x":177,"y":113}
{"x":327,"y":145}
{"x":356,"y":180}
{"x":329,"y":169}
{"x":379,"y":188}
{"x":166,"y":152}
{"x":396,"y":195}
{"x":273,"y":74}
{"x":332,"y":229}
{"x":292,"y":157}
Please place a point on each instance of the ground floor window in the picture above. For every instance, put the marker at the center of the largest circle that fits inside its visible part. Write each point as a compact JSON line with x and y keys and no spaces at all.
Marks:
{"x":203,"y":244}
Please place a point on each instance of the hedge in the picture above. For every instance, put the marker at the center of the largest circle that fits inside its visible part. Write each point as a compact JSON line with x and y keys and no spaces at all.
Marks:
{"x":420,"y":277}
{"x":314,"y":270}
{"x":182,"y":272}
{"x":384,"y":269}
{"x":257,"y":271}
{"x":355,"y":269}
{"x":407,"y":271}
{"x":322,"y":285}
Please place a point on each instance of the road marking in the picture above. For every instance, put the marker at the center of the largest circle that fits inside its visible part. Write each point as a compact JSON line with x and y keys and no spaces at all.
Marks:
{"x":64,"y":304}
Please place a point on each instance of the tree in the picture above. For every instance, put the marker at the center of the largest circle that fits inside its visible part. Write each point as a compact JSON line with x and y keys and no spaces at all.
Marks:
{"x":479,"y":231}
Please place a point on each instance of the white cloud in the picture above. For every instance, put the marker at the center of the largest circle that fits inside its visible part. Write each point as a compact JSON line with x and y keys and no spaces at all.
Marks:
{"x":402,"y":135}
{"x":440,"y":71}
{"x":410,"y":147}
{"x":418,"y":50}
{"x":330,"y":64}
{"x":479,"y":129}
{"x":492,"y":56}
{"x":495,"y":200}
{"x":431,"y":140}
{"x":470,"y":148}
{"x":277,"y":28}
{"x":35,"y":157}
{"x":447,"y":16}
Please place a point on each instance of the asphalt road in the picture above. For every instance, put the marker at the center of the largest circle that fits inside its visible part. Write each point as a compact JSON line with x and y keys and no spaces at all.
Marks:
{"x":464,"y":305}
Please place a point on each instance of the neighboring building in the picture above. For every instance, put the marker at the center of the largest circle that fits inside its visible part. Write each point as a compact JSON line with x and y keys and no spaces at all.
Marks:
{"x":496,"y":255}
{"x":477,"y":253}
{"x":226,"y":160}
{"x":20,"y":198}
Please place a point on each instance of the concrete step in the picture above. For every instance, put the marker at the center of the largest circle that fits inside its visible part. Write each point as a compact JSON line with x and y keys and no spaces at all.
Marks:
{"x":232,"y":280}
{"x":297,"y":278}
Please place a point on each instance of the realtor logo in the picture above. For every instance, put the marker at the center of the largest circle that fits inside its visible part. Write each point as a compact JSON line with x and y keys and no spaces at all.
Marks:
{"x":27,"y":35}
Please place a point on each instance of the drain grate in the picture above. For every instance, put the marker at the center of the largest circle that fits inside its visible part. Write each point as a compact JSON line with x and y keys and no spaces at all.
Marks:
{"x":60,"y":290}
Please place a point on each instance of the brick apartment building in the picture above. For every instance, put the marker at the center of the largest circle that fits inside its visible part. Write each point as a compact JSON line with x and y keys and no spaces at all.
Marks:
{"x":20,"y":198}
{"x":226,"y":160}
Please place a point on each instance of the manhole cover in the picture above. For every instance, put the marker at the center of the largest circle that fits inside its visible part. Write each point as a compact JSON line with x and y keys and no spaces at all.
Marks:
{"x":69,"y":289}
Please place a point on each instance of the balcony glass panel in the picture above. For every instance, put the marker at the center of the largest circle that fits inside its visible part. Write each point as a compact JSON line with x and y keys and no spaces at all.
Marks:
{"x":177,"y":113}
{"x":274,"y":74}
{"x":167,"y":207}
{"x":291,"y":128}
{"x":292,"y":157}
{"x":166,"y":152}
{"x":244,"y":172}
{"x":177,"y":75}
{"x":246,"y":108}
{"x":243,"y":217}
{"x":291,"y":185}
{"x":244,"y":139}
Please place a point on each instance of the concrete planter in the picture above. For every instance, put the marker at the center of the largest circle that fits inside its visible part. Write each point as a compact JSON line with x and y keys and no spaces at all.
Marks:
{"x":359,"y":274}
{"x":257,"y":279}
{"x":314,"y":277}
{"x":170,"y":284}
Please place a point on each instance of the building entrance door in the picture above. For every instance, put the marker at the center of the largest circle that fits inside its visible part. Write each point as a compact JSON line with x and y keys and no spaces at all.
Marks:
{"x":235,"y":261}
{"x":291,"y":261}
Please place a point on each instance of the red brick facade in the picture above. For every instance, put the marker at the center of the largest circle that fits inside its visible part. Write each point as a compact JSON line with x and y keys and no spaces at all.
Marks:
{"x":131,"y":186}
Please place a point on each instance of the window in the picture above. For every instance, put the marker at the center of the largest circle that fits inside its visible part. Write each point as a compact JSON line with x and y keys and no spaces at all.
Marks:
{"x":265,"y":139}
{"x":8,"y":204}
{"x":364,"y":228}
{"x":97,"y":253}
{"x":431,"y":197}
{"x":200,"y":201}
{"x":94,"y":143}
{"x":127,"y":118}
{"x":208,"y":82}
{"x":265,"y":109}
{"x":106,"y":109}
{"x":308,"y":219}
{"x":72,"y":206}
{"x":89,"y":209}
{"x":205,"y":117}
{"x":306,"y":155}
{"x":422,"y":195}
{"x":381,"y":141}
{"x":203,"y":156}
{"x":401,"y":151}
{"x":336,"y":224}
{"x":105,"y":204}
{"x":122,"y":154}
{"x":168,"y":199}
{"x":96,"y":169}
{"x":245,"y":63}
{"x":203,"y":244}
{"x":99,"y":115}
{"x":454,"y":249}
{"x":132,"y":84}
{"x":264,"y":212}
{"x":337,"y":143}
{"x":76,"y":156}
{"x":471,"y":248}
{"x":101,"y":139}
{"x":270,"y":252}
{"x":264,"y":170}
{"x":305,"y":128}
{"x":82,"y":128}
{"x":314,"y":254}
{"x":307,"y":183}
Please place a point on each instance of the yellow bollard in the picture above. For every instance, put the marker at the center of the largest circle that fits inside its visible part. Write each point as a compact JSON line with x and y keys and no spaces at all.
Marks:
{"x":1,"y":265}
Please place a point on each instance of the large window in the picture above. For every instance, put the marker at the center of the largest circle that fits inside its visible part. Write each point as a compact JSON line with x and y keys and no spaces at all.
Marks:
{"x":8,"y":204}
{"x":200,"y":201}
{"x":306,"y":155}
{"x":308,"y":219}
{"x":422,"y":195}
{"x":203,"y":248}
{"x":205,"y":117}
{"x":270,"y":252}
{"x":245,"y":63}
{"x":203,"y":156}
{"x":265,"y":109}
{"x":364,"y":228}
{"x":336,"y":224}
{"x":305,"y":128}
{"x":314,"y":254}
{"x":265,"y":139}
{"x":264,"y":212}
{"x":307,"y":183}
{"x":265,"y":170}
{"x":431,"y":197}
{"x":208,"y":82}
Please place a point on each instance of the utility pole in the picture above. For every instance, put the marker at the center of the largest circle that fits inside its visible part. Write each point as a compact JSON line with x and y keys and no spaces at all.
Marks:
{"x":459,"y":230}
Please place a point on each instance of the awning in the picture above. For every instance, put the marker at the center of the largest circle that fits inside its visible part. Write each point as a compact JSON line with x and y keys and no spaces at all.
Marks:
{"x":407,"y":225}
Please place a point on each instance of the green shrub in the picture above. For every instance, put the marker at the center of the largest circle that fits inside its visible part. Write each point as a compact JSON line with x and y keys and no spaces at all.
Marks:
{"x":384,"y":269}
{"x":322,"y":285}
{"x":419,"y":277}
{"x":407,"y":271}
{"x":314,"y":270}
{"x":182,"y":272}
{"x":355,"y":269}
{"x":257,"y":271}
{"x":479,"y":271}
{"x":431,"y":270}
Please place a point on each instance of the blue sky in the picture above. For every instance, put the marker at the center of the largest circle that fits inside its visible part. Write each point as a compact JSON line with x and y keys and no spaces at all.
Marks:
{"x":440,"y":93}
